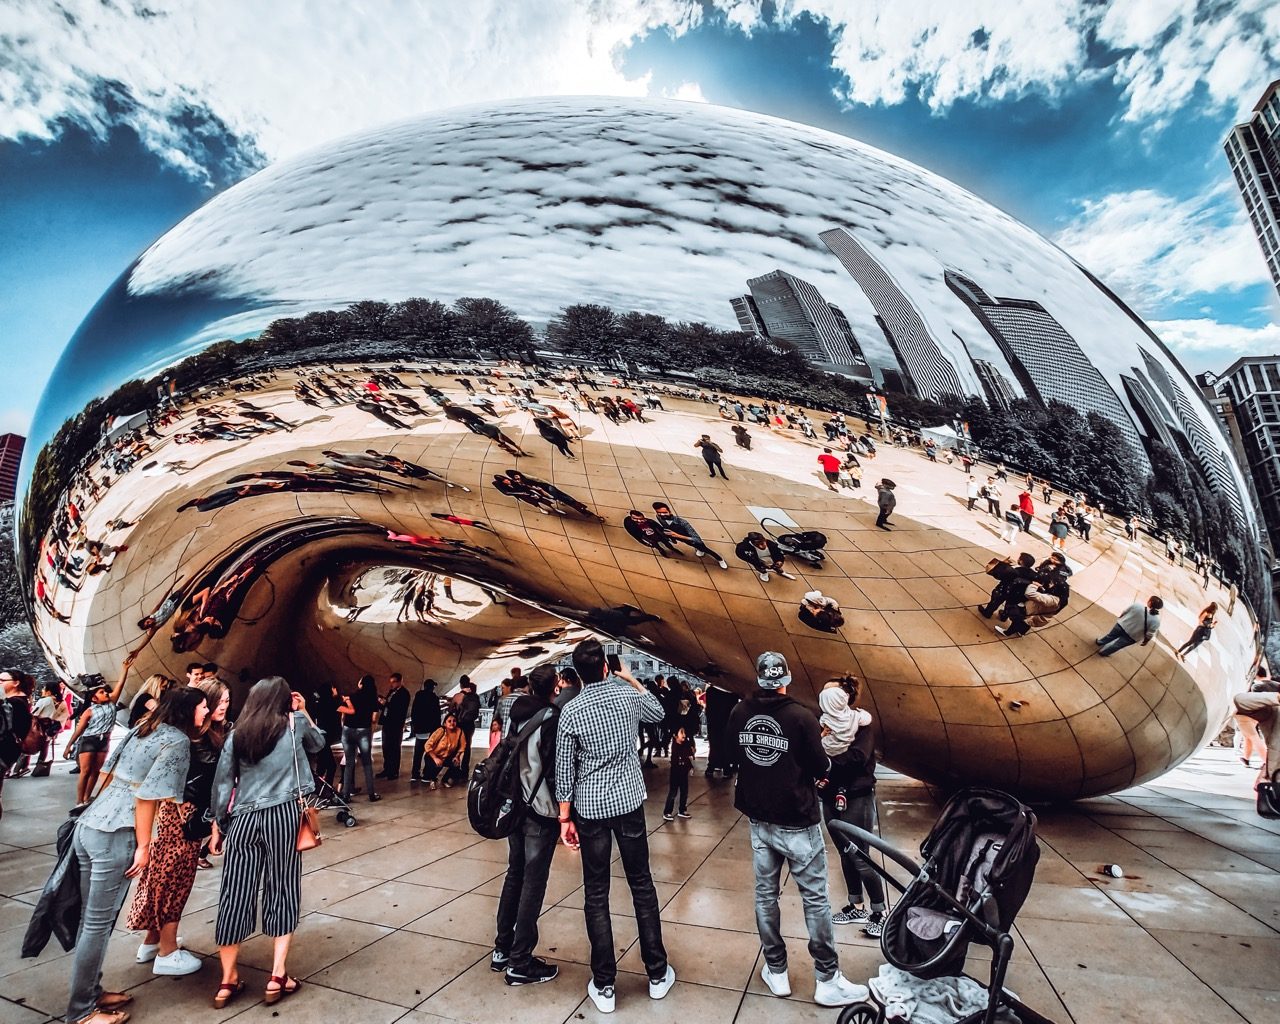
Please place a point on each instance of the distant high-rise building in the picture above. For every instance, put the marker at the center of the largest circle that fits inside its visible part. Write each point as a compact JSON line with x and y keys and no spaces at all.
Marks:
{"x":1150,"y":410}
{"x":923,"y":362}
{"x":1206,"y":445}
{"x":1000,"y":393}
{"x":10,"y":455}
{"x":749,"y":318}
{"x":1252,"y":385}
{"x":1253,"y":151}
{"x":857,"y":362}
{"x":793,"y":310}
{"x":1213,"y":392}
{"x":893,"y":380}
{"x":1048,"y":363}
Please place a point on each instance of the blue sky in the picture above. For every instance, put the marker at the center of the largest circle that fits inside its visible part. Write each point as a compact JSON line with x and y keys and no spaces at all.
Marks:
{"x":1098,"y":125}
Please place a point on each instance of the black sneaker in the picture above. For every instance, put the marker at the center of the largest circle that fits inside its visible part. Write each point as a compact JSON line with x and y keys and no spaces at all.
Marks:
{"x":499,"y":961}
{"x":535,"y":972}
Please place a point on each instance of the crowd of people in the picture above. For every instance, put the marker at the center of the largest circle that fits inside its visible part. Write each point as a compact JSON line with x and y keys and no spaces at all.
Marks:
{"x":188,"y":781}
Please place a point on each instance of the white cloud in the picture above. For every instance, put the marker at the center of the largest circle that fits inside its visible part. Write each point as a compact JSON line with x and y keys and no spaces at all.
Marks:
{"x":1204,"y":342}
{"x":289,"y":75}
{"x":689,"y":91}
{"x":1154,"y":249}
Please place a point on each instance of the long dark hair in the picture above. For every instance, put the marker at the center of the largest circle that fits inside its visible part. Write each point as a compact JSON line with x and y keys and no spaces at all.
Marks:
{"x":262,"y":720}
{"x":176,"y":707}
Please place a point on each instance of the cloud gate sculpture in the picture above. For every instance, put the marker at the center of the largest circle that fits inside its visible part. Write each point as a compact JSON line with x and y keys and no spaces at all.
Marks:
{"x":390,"y":405}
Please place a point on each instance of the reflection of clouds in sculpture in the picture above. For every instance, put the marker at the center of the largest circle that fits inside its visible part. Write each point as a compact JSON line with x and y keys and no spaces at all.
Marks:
{"x":656,"y":206}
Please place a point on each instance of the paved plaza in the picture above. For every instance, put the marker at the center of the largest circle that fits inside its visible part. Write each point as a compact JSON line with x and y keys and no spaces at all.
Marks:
{"x":399,"y":915}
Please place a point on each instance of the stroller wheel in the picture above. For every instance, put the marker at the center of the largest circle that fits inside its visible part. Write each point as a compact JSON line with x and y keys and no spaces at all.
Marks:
{"x":350,"y":821}
{"x":342,"y":817}
{"x":860,"y":1013}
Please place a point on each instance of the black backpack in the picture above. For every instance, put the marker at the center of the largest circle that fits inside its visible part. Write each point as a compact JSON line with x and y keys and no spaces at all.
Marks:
{"x":495,"y":796}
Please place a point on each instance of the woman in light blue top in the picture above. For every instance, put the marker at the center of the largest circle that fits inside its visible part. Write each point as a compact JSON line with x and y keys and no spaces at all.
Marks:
{"x":264,"y":764}
{"x":112,"y":839}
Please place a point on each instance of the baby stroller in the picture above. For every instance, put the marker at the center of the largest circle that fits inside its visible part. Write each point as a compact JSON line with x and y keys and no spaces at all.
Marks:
{"x":803,"y":544}
{"x":979,"y":861}
{"x":326,"y":797}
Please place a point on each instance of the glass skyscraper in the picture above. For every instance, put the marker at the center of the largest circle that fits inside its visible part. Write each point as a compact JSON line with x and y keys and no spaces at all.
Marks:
{"x":1253,"y":151}
{"x":1045,"y":359}
{"x":928,"y":371}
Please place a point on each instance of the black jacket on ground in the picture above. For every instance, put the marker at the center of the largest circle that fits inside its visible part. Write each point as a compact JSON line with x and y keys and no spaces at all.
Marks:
{"x":777,"y":744}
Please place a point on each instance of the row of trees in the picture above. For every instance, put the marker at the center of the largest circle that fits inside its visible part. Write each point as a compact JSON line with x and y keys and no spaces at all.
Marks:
{"x":1081,"y":452}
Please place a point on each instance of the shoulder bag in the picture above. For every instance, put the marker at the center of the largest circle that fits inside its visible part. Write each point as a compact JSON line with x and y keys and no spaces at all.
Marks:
{"x":309,"y":823}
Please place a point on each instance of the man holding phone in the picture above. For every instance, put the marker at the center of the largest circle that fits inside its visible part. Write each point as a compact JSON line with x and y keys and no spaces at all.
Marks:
{"x":601,"y":790}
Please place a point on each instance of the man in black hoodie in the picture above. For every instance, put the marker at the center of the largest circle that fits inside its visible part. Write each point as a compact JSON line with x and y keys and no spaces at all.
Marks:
{"x":779,"y":752}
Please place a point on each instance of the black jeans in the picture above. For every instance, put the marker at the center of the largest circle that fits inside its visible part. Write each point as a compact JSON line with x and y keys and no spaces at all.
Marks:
{"x":466,"y":756}
{"x":596,"y":836}
{"x":679,"y":786}
{"x":713,"y":465}
{"x":392,"y":737}
{"x":528,"y":864}
{"x":858,"y":874}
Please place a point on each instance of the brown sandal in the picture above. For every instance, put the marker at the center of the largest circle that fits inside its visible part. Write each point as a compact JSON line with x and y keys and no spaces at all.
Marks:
{"x":105,"y":1017}
{"x":232,"y":990}
{"x":111,"y":1002}
{"x":274,"y":996}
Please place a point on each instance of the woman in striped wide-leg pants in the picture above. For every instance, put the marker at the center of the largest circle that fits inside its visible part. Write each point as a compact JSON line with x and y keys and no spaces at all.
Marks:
{"x":261,"y":854}
{"x":262,"y":776}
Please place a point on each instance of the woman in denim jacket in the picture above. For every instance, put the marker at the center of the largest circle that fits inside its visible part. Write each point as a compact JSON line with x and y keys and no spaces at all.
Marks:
{"x":262,"y":773}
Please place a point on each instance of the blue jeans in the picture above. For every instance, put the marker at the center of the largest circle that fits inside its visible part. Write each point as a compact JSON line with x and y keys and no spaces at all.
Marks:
{"x":356,"y":741}
{"x":1117,"y":640}
{"x":104,"y":857}
{"x":803,"y":852}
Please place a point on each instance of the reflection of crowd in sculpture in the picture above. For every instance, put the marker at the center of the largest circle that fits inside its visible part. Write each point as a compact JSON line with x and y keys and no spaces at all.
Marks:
{"x":545,"y":497}
{"x":337,"y":475}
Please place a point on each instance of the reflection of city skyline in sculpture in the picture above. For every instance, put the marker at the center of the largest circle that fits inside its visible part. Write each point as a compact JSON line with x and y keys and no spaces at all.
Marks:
{"x":1045,"y":359}
{"x":928,"y":371}
{"x":284,"y":497}
{"x":791,"y":310}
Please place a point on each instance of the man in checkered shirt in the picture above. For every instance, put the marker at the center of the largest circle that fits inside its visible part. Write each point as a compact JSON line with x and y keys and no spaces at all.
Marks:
{"x":601,"y":790}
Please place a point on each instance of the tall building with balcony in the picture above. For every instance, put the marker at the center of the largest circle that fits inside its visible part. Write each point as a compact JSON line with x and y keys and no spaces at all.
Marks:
{"x":1252,"y":385}
{"x":1046,"y":360}
{"x":748,"y":315}
{"x":11,"y":446}
{"x":793,"y":310}
{"x":929,"y":372}
{"x":1253,"y":151}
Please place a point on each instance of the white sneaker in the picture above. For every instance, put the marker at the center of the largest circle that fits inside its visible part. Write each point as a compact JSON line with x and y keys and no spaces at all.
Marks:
{"x":177,"y":963}
{"x":658,"y":989}
{"x":764,"y":576}
{"x":779,"y":984}
{"x":149,"y":950}
{"x":839,"y":991}
{"x":723,"y":564}
{"x":602,"y":997}
{"x":785,"y":575}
